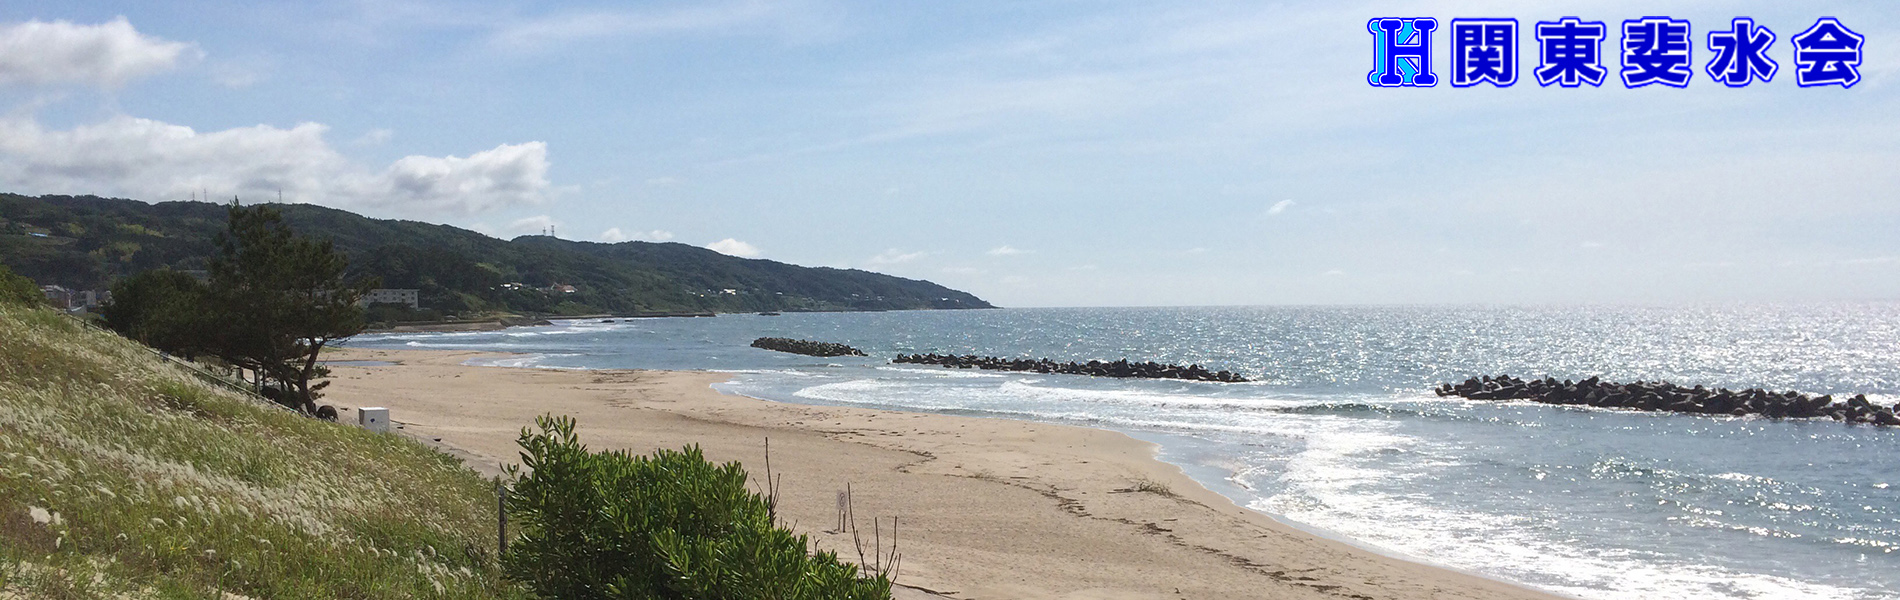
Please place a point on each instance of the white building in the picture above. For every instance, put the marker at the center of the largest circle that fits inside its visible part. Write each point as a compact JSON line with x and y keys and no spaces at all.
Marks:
{"x":412,"y":298}
{"x":74,"y":300}
{"x":58,"y":296}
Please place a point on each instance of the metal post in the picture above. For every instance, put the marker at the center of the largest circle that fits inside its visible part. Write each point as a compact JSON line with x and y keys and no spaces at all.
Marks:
{"x":501,"y":519}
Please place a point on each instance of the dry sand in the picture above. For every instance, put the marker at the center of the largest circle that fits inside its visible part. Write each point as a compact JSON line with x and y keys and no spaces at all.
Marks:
{"x":987,"y":508}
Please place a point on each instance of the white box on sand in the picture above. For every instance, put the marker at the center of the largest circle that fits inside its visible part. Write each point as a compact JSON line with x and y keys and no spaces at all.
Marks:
{"x":373,"y":418}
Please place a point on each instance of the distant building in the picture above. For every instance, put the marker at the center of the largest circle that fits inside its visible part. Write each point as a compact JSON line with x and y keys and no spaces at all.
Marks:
{"x":410,"y":297}
{"x":74,"y":300}
{"x":59,"y":296}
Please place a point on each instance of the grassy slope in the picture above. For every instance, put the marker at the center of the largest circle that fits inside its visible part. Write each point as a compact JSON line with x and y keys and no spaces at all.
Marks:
{"x":123,"y":476}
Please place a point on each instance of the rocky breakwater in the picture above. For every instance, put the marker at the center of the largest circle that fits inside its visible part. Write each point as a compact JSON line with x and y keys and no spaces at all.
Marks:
{"x":1667,"y":396}
{"x":805,"y":347}
{"x":1120,"y":368}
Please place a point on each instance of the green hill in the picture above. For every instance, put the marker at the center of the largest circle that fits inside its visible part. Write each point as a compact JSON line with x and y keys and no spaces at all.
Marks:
{"x":85,"y":242}
{"x":122,"y":475}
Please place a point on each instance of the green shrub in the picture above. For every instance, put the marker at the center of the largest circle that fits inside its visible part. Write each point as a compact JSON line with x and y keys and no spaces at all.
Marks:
{"x":670,"y":525}
{"x":162,"y":308}
{"x":17,"y":289}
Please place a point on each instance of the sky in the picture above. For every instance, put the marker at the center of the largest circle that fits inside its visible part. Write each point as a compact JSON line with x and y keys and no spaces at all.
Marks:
{"x":1035,"y":153}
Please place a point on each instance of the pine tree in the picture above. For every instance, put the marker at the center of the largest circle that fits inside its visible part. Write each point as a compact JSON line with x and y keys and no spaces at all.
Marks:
{"x":279,"y":299}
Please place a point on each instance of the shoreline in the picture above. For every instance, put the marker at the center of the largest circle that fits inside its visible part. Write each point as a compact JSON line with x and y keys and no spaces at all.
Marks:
{"x":1335,"y":536}
{"x":990,"y":508}
{"x":512,"y":322}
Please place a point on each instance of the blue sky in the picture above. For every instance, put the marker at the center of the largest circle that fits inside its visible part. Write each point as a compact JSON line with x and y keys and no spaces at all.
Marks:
{"x":1034,"y":153}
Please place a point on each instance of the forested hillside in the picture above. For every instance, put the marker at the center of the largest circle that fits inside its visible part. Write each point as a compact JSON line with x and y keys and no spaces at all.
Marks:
{"x":85,"y":242}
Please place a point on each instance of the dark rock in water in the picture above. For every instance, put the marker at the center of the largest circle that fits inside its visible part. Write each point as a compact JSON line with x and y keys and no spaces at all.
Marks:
{"x":1120,"y":368}
{"x":805,"y":347}
{"x":1662,"y":395}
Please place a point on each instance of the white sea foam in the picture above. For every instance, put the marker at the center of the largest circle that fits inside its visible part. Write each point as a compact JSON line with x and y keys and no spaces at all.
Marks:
{"x":943,"y":373}
{"x":786,"y":373}
{"x":568,"y":331}
{"x":1335,"y":484}
{"x":496,"y":346}
{"x":418,"y":335}
{"x":1054,"y":403}
{"x":520,"y":361}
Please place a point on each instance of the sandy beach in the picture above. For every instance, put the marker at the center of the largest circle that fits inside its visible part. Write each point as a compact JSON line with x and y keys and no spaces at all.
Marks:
{"x":987,"y":508}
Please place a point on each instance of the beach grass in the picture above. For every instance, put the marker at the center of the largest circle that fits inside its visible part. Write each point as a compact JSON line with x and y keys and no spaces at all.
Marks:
{"x":1149,"y":486}
{"x":123,"y":476}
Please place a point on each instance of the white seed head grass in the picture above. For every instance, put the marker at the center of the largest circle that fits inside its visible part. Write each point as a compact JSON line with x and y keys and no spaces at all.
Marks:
{"x":145,"y":466}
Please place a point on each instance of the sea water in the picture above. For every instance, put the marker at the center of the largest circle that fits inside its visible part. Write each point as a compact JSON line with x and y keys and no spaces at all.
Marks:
{"x":1340,"y":433}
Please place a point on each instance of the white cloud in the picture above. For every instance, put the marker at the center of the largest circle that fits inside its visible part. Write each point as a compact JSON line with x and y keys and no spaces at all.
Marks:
{"x":1333,"y":273}
{"x":152,"y":160}
{"x":582,"y":25}
{"x":664,"y":181}
{"x":1720,"y":264}
{"x":894,"y":256}
{"x":107,"y":55}
{"x":240,"y":74}
{"x":1003,"y":251}
{"x":507,"y":175}
{"x":615,"y":235}
{"x":374,"y":137}
{"x":734,"y":247}
{"x":1280,"y":207}
{"x":1591,"y":245}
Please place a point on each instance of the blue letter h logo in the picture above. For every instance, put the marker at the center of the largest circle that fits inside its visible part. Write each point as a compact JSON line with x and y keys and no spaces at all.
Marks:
{"x":1399,"y":63}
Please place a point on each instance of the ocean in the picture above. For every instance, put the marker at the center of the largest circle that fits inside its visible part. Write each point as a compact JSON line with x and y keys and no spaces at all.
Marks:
{"x":1340,"y":434}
